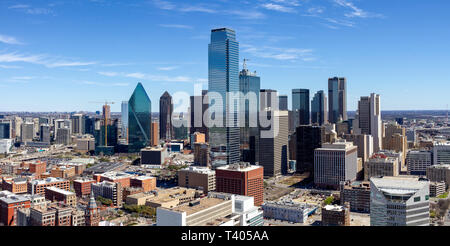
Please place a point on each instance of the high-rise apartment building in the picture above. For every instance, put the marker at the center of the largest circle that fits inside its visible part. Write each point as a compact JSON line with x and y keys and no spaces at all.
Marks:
{"x":334,"y":163}
{"x":165,"y":116}
{"x":399,"y":201}
{"x":139,"y":120}
{"x":300,"y":106}
{"x":368,"y":119}
{"x":241,"y":179}
{"x":319,"y":113}
{"x":223,"y":88}
{"x":337,"y":99}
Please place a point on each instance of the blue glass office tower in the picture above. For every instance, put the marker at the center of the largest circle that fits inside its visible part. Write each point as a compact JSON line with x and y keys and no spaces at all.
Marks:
{"x":300,"y":106}
{"x":249,"y":86}
{"x":337,"y":95}
{"x":319,"y":113}
{"x":139,"y":120}
{"x":223,"y":79}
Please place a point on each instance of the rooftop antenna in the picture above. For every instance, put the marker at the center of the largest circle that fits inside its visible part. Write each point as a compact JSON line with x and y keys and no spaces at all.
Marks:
{"x":245,"y":64}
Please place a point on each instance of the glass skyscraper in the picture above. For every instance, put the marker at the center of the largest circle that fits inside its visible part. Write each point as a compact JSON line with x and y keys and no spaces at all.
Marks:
{"x":249,"y":85}
{"x":337,"y":95}
{"x":319,"y":108}
{"x":139,"y":120}
{"x":223,"y":79}
{"x":124,"y":120}
{"x":300,"y":106}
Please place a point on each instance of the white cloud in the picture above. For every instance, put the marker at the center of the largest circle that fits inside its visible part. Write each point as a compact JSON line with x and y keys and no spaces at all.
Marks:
{"x":41,"y":60}
{"x":8,"y":40}
{"x":277,"y":7}
{"x":30,"y":10}
{"x":176,"y":26}
{"x":167,"y":68}
{"x":288,"y":54}
{"x":198,"y":9}
{"x":108,"y":74}
{"x":164,"y":4}
{"x":247,"y":14}
{"x":355,"y":11}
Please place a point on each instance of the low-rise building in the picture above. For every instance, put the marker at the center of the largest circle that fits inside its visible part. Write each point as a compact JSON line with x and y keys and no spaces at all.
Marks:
{"x":334,"y":215}
{"x":357,"y":194}
{"x":38,"y":186}
{"x":64,"y":172}
{"x":198,"y":178}
{"x":16,"y":185}
{"x":82,"y":186}
{"x":145,"y":182}
{"x":437,"y":189}
{"x":439,"y":173}
{"x":288,"y":211}
{"x":380,"y":165}
{"x":116,"y":177}
{"x":9,"y":206}
{"x":109,"y":190}
{"x":59,"y":195}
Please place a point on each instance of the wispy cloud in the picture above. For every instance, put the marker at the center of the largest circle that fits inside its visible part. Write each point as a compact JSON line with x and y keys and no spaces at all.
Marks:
{"x":151,"y":77}
{"x":50,"y":62}
{"x":9,"y":67}
{"x":176,"y":26}
{"x":9,"y":40}
{"x":164,"y":4}
{"x":167,"y":68}
{"x":277,"y":7}
{"x":250,"y":14}
{"x":30,"y":10}
{"x":288,"y":54}
{"x":355,"y":11}
{"x":198,"y":9}
{"x":86,"y":82}
{"x":108,"y":74}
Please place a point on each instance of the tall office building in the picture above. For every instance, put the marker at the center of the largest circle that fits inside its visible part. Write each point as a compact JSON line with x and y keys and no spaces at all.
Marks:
{"x":283,"y":102}
{"x":337,"y":99}
{"x":368,"y":119}
{"x":77,"y":124}
{"x":395,"y":139}
{"x":268,"y":98}
{"x":139,"y":120}
{"x":155,"y":134}
{"x":249,"y":86}
{"x":417,"y":161}
{"x":300,"y":106}
{"x":63,"y":136}
{"x":399,"y":201}
{"x":223,"y":83}
{"x":441,"y":153}
{"x":273,"y":154}
{"x":27,"y":130}
{"x":198,"y":107}
{"x":44,"y":133}
{"x":319,"y":114}
{"x":124,"y":120}
{"x":165,"y":116}
{"x":5,"y":129}
{"x":308,"y":138}
{"x":334,"y":163}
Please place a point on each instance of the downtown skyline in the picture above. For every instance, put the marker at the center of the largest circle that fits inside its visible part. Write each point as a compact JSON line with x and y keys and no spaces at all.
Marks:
{"x":163,"y":45}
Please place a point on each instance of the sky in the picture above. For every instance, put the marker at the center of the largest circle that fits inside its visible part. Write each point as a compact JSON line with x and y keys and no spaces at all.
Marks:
{"x":66,"y":55}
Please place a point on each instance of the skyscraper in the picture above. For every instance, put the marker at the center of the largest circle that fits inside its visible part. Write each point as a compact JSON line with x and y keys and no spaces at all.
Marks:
{"x":300,"y":106}
{"x":249,"y":86}
{"x":319,"y":114}
{"x":139,"y":120}
{"x":223,"y":83}
{"x":124,"y":117}
{"x":5,"y":129}
{"x":337,"y":96}
{"x":368,"y":119}
{"x":273,"y":150}
{"x":308,"y":138}
{"x":77,"y":124}
{"x":44,"y":133}
{"x":165,"y":116}
{"x":283,"y":102}
{"x":266,"y":100}
{"x":106,"y":114}
{"x":198,"y":107}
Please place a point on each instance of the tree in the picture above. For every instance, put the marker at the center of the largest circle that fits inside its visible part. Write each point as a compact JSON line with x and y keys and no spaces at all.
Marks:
{"x":329,"y":200}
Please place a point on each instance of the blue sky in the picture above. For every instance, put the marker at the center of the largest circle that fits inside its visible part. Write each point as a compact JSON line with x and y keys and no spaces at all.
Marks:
{"x":60,"y":55}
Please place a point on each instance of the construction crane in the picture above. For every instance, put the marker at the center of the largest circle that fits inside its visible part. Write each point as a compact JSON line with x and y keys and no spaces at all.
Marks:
{"x":105,"y":118}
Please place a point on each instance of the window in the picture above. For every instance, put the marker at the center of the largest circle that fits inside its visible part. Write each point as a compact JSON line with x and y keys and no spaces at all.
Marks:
{"x":427,"y":197}
{"x":417,"y":199}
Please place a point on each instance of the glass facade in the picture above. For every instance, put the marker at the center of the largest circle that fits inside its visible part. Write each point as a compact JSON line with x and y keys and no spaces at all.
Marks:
{"x":139,"y":120}
{"x":249,"y":86}
{"x":300,"y":106}
{"x":337,"y":95}
{"x":318,"y":108}
{"x":223,"y":78}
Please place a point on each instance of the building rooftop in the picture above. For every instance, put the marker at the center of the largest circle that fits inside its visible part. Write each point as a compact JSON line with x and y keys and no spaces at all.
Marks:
{"x":143,"y":177}
{"x":399,"y":184}
{"x":203,"y":204}
{"x":14,"y":199}
{"x":335,"y":207}
{"x":65,"y":192}
{"x":194,"y":169}
{"x":116,"y":175}
{"x":241,"y":167}
{"x":47,"y":180}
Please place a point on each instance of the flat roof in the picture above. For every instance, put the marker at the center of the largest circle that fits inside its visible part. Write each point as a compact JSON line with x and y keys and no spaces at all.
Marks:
{"x":399,"y":184}
{"x":238,"y":167}
{"x":205,"y":203}
{"x":14,"y":199}
{"x":65,"y":192}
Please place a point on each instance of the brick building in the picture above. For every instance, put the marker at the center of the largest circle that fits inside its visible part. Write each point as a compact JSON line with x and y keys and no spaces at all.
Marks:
{"x":17,"y":185}
{"x":241,"y":179}
{"x":116,"y":177}
{"x":145,"y":182}
{"x":39,"y":185}
{"x":82,"y":187}
{"x":59,"y":195}
{"x":9,"y":206}
{"x":334,"y":215}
